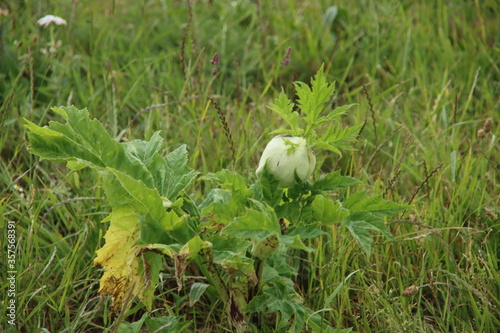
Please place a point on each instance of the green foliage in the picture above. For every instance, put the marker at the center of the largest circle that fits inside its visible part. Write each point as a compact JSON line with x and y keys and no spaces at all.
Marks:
{"x":311,"y":101}
{"x":135,"y":177}
{"x":145,"y":192}
{"x":175,"y":324}
{"x":379,"y":53}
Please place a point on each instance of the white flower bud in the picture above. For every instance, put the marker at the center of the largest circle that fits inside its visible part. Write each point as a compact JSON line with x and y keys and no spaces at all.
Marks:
{"x":285,"y":155}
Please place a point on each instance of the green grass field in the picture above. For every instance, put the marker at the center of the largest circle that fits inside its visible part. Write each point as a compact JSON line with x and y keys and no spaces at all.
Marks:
{"x":425,"y":76}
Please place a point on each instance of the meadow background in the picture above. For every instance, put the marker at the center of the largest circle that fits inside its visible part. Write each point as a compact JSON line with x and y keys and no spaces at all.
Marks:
{"x":425,"y":76}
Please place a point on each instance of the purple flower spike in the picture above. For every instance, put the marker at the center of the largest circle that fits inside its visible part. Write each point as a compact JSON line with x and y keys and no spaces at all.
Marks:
{"x":286,"y":56}
{"x":215,"y":59}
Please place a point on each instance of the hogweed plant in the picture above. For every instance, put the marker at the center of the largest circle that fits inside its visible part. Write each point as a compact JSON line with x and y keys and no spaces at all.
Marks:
{"x":239,"y":236}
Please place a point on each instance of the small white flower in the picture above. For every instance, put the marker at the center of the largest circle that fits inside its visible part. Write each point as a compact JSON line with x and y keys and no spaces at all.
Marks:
{"x":49,"y":19}
{"x":286,"y":155}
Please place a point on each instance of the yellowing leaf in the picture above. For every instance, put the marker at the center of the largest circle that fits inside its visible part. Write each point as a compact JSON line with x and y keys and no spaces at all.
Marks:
{"x":121,"y":259}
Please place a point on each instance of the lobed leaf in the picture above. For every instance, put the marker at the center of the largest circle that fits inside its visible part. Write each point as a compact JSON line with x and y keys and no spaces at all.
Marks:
{"x":284,"y":108}
{"x":254,"y":224}
{"x":269,"y":189}
{"x":335,"y":181}
{"x":312,"y":99}
{"x":361,"y":201}
{"x":338,"y":138}
{"x":86,"y":142}
{"x":327,"y":212}
{"x":334,"y":114}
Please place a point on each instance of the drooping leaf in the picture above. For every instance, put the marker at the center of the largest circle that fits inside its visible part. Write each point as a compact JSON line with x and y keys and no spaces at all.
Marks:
{"x":361,"y":223}
{"x":191,"y":248}
{"x":376,"y":222}
{"x":120,"y":257}
{"x":295,"y":242}
{"x":187,"y":252}
{"x":367,"y":214}
{"x":307,"y":232}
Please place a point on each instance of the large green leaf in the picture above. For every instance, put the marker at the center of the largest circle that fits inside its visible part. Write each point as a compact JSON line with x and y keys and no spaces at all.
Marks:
{"x":327,"y":212}
{"x":334,"y":181}
{"x":253,"y":224}
{"x":221,"y":206}
{"x":360,"y":230}
{"x":231,"y":181}
{"x":175,"y":174}
{"x":361,"y":201}
{"x":82,"y":141}
{"x":235,"y":262}
{"x":367,"y":214}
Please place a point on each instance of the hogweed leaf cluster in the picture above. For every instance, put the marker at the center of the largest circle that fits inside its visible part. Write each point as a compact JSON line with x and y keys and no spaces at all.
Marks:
{"x":322,"y":131}
{"x":136,"y":180}
{"x":239,"y":236}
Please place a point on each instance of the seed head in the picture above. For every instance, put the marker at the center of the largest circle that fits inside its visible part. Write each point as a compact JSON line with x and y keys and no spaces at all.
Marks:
{"x":410,"y":291}
{"x":487,"y":125}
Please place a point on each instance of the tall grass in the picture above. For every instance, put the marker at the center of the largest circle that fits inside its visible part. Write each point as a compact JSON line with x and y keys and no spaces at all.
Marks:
{"x":425,"y":75}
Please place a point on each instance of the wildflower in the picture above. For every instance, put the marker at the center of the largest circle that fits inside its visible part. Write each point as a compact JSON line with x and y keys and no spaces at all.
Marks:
{"x":49,"y":19}
{"x":286,"y":156}
{"x":215,"y":61}
{"x":286,"y":57}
